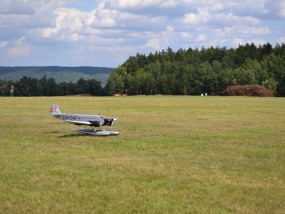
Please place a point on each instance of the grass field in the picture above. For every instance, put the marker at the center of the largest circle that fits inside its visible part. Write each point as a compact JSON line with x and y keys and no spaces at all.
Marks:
{"x":175,"y":154}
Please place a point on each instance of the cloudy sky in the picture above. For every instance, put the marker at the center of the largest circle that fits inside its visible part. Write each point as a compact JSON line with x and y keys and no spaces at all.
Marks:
{"x":106,"y":32}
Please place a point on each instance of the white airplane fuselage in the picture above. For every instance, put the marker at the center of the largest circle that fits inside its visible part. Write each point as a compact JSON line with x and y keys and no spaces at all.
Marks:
{"x":84,"y":119}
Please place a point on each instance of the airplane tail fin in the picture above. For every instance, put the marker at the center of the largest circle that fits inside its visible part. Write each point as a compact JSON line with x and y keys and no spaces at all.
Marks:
{"x":54,"y":110}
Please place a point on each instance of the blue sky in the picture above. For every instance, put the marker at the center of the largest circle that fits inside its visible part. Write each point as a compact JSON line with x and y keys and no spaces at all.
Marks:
{"x":106,"y":32}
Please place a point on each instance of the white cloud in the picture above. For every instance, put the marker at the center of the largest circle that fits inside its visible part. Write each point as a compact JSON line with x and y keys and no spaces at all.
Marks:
{"x":170,"y":28}
{"x":153,"y":44}
{"x":201,"y":38}
{"x":124,"y":27}
{"x":204,"y":16}
{"x":247,"y":30}
{"x":3,"y":44}
{"x":133,"y":4}
{"x":186,"y":36}
{"x":19,"y":7}
{"x":201,"y":17}
{"x":239,"y":41}
{"x":282,"y":9}
{"x":255,"y":6}
{"x":19,"y":49}
{"x":229,"y":19}
{"x":71,"y":23}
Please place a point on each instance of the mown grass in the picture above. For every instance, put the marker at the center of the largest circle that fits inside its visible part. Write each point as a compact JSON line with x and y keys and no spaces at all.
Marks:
{"x":175,"y":154}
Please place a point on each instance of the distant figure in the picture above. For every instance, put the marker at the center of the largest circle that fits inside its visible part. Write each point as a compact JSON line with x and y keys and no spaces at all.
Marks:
{"x":202,"y":95}
{"x":206,"y":94}
{"x":12,"y":90}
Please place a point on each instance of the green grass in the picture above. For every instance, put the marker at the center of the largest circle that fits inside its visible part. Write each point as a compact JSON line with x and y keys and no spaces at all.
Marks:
{"x":175,"y":154}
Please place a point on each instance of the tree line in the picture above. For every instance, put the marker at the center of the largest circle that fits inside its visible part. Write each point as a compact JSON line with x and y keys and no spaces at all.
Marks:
{"x":28,"y":86}
{"x":206,"y":70}
{"x":184,"y":72}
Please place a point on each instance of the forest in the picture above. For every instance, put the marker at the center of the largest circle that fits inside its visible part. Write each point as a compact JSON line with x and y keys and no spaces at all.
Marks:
{"x":47,"y":86}
{"x":206,"y":70}
{"x":182,"y":72}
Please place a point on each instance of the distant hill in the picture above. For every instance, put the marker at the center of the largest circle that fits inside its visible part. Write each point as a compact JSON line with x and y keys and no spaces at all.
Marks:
{"x":60,"y":74}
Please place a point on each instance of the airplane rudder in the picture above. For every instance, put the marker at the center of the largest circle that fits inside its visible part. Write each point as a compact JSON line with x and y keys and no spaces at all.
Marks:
{"x":54,"y":109}
{"x":57,"y":109}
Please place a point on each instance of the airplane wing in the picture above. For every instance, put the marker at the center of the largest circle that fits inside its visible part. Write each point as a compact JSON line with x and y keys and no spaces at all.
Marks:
{"x":86,"y":123}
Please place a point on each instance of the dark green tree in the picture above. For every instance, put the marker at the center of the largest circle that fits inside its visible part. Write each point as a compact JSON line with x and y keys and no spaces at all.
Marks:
{"x":26,"y":86}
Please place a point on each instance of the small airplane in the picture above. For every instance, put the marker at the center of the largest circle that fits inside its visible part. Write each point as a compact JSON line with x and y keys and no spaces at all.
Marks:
{"x":92,"y":120}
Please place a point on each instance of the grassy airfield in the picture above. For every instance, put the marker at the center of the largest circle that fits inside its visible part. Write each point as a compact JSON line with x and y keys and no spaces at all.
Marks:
{"x":175,"y":154}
